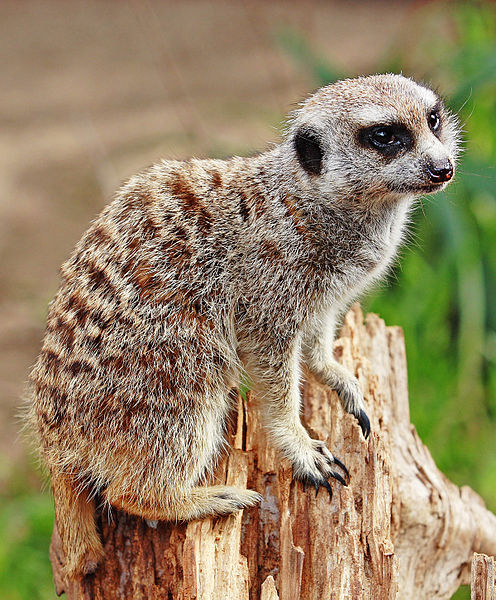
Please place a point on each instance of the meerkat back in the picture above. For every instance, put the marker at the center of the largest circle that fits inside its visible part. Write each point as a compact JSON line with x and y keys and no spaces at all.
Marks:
{"x":200,"y":270}
{"x":130,"y":391}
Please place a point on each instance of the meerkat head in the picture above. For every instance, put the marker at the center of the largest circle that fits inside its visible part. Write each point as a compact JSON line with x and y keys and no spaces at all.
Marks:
{"x":375,"y":139}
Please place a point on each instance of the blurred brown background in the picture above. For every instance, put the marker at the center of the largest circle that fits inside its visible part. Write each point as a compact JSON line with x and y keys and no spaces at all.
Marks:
{"x":94,"y":91}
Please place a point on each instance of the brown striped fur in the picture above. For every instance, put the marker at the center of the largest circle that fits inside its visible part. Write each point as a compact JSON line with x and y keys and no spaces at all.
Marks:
{"x":200,"y":270}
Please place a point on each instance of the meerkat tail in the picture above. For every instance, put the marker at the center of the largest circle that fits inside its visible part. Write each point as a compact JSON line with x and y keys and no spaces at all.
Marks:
{"x":75,"y":516}
{"x":216,"y":500}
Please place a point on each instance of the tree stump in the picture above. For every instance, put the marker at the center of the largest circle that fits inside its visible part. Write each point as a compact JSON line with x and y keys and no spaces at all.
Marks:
{"x":399,"y":530}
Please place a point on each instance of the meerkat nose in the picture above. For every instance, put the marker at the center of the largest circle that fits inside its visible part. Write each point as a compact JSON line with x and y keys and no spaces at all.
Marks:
{"x":440,"y":172}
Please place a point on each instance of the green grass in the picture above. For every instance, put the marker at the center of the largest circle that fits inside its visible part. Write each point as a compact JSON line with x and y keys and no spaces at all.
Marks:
{"x":26,"y":521}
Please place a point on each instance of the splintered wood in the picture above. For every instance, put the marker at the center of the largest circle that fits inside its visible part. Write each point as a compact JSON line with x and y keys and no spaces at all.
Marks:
{"x":482,"y":579}
{"x":400,"y":529}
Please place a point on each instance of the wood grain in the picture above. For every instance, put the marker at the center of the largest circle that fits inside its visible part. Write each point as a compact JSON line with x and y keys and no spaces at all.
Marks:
{"x":482,"y":579}
{"x":400,"y":530}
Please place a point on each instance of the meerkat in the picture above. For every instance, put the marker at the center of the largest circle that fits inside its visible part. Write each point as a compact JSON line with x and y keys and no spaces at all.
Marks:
{"x":199,"y":271}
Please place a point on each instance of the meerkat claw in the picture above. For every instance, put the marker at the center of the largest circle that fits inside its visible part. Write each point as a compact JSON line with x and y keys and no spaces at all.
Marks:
{"x":337,"y":462}
{"x":312,"y":480}
{"x":338,"y":477}
{"x":331,"y":459}
{"x":323,"y":483}
{"x":328,"y":487}
{"x":364,"y":423}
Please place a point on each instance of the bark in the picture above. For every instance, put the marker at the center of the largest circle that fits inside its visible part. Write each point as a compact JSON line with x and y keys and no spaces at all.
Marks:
{"x":399,"y":530}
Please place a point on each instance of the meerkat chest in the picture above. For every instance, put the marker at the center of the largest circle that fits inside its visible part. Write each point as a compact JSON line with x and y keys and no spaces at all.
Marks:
{"x":374,"y":252}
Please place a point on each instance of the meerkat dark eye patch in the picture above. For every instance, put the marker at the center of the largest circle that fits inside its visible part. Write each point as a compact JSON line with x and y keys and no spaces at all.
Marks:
{"x":388,"y":140}
{"x":309,"y":150}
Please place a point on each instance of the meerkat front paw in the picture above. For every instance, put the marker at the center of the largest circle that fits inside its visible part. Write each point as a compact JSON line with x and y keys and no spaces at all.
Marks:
{"x":350,"y":393}
{"x":347,"y":388}
{"x":351,"y":396}
{"x":317,"y":468}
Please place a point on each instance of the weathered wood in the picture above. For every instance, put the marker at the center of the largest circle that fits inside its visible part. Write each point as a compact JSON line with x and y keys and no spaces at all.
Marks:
{"x":400,"y":529}
{"x":482,"y":579}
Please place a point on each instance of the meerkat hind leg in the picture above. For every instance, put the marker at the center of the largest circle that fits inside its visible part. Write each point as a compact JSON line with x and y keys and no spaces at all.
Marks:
{"x":200,"y":502}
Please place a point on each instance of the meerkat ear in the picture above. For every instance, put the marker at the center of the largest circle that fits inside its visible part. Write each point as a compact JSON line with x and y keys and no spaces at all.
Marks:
{"x":309,"y":150}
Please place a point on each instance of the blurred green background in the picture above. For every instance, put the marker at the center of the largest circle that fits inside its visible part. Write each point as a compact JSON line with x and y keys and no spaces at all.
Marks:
{"x":97,"y":91}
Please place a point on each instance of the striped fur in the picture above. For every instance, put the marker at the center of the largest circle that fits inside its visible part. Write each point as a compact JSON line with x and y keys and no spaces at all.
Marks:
{"x":200,"y":270}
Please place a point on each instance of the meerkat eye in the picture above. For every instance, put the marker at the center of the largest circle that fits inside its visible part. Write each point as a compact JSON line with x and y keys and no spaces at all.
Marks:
{"x":434,"y":120}
{"x":383,"y":136}
{"x":388,"y":140}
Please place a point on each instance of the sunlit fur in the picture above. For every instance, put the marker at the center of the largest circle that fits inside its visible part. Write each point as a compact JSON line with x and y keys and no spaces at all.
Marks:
{"x":198,"y":271}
